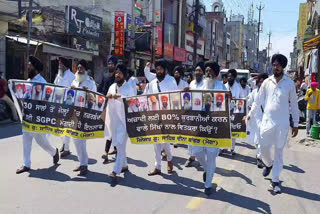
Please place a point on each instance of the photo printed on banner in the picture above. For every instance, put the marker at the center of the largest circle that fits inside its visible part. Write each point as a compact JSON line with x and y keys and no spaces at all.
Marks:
{"x":69,"y":97}
{"x":91,"y":101}
{"x":37,"y":91}
{"x":239,"y":107}
{"x":19,"y":90}
{"x":175,"y":101}
{"x":132,"y":105}
{"x":196,"y":101}
{"x":58,"y":95}
{"x":27,"y":91}
{"x":165,"y":103}
{"x":100,"y":103}
{"x":186,"y":101}
{"x":80,"y":98}
{"x":48,"y":93}
{"x":142,"y":103}
{"x":153,"y":103}
{"x":207,"y":102}
{"x":219,"y":102}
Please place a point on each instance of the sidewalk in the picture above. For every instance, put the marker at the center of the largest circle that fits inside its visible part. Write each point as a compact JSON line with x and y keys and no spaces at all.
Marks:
{"x":10,"y":129}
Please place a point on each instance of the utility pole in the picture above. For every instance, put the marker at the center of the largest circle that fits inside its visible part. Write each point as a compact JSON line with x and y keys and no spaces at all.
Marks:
{"x":133,"y":31}
{"x":195,"y":29}
{"x":29,"y":30}
{"x":260,"y":8}
{"x":269,"y":47}
{"x":153,"y":54}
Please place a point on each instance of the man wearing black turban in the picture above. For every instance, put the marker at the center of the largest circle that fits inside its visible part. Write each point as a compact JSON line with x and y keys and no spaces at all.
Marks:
{"x":35,"y":67}
{"x":277,"y":95}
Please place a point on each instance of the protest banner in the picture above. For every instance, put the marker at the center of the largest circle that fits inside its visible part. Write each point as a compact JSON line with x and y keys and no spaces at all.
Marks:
{"x":48,"y":108}
{"x":200,"y":118}
{"x":238,"y":109}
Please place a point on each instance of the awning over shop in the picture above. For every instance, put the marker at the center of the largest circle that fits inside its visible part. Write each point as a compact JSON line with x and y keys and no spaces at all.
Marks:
{"x":58,"y":50}
{"x":312,"y":43}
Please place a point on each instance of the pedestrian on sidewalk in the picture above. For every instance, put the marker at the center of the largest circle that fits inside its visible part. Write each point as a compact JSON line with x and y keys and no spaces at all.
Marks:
{"x":313,"y":98}
{"x":277,"y":96}
{"x":115,"y":113}
{"x":7,"y":100}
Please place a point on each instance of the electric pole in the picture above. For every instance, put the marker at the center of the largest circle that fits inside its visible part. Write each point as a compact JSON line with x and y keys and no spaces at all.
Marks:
{"x":269,"y":47}
{"x":260,"y":8}
{"x":153,"y":54}
{"x":195,"y":31}
{"x":29,"y":30}
{"x":133,"y":32}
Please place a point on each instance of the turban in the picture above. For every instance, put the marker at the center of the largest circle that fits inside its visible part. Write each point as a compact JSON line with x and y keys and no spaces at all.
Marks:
{"x":81,"y":99}
{"x":220,"y":96}
{"x":153,"y":99}
{"x":131,"y":101}
{"x":123,"y":69}
{"x":240,"y":102}
{"x":214,"y":66}
{"x":233,"y":72}
{"x":179,"y":69}
{"x":162,"y":63}
{"x":84,"y":64}
{"x":207,"y":96}
{"x":281,"y":59}
{"x":113,"y":59}
{"x":19,"y":86}
{"x":197,"y":101}
{"x":49,"y":90}
{"x":70,"y":92}
{"x":314,"y":85}
{"x":100,"y":99}
{"x":64,"y":61}
{"x":164,"y":98}
{"x":187,"y":95}
{"x":201,"y":65}
{"x":35,"y":62}
{"x":91,"y":97}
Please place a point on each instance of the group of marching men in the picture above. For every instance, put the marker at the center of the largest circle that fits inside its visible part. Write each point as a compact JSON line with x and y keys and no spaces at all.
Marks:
{"x":271,"y":102}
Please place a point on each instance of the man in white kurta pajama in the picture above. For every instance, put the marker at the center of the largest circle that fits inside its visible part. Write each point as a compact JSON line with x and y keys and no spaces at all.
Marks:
{"x":277,"y":96}
{"x":197,"y":83}
{"x":64,"y":78}
{"x":207,"y":155}
{"x":162,"y":83}
{"x":34,"y":69}
{"x":115,"y":118}
{"x":235,"y":88}
{"x":82,"y":80}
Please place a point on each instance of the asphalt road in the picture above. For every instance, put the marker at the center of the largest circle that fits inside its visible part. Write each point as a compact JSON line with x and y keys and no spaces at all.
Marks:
{"x":239,"y":185}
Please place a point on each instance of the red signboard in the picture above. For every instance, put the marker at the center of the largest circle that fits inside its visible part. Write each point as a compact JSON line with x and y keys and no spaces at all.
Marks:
{"x":180,"y":54}
{"x":159,"y":41}
{"x":168,"y":50}
{"x":119,"y":33}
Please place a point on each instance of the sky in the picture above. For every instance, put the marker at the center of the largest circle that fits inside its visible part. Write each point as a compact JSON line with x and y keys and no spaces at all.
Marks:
{"x":278,"y":16}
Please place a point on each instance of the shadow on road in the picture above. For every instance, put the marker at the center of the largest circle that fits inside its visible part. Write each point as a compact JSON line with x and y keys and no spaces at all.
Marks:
{"x":233,"y":173}
{"x":75,"y":158}
{"x":240,"y":157}
{"x":10,"y":130}
{"x":138,"y":163}
{"x":246,"y":145}
{"x":300,"y":193}
{"x":294,"y":168}
{"x":49,"y":174}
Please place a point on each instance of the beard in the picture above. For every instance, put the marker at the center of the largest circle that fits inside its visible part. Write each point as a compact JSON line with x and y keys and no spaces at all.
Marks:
{"x":276,"y":74}
{"x":209,"y":82}
{"x":219,"y":104}
{"x":32,"y":73}
{"x":165,"y":105}
{"x":119,"y":81}
{"x":231,"y":82}
{"x":90,"y":104}
{"x":198,"y":78}
{"x":47,"y":96}
{"x":177,"y":80}
{"x":99,"y":105}
{"x":160,"y":77}
{"x":60,"y":72}
{"x":207,"y":107}
{"x":80,"y":77}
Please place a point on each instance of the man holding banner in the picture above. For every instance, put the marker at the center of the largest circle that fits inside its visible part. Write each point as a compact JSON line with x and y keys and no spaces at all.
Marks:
{"x":207,"y":155}
{"x":115,"y":113}
{"x":64,"y":78}
{"x":34,"y":69}
{"x":162,"y":83}
{"x":83,"y":81}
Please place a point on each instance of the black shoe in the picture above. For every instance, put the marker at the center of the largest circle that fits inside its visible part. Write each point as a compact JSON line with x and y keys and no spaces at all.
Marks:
{"x":83,"y":170}
{"x":275,"y":187}
{"x":175,"y":146}
{"x":189,"y":162}
{"x":104,"y":156}
{"x":232,"y":152}
{"x":106,"y":161}
{"x":125,"y":169}
{"x":114,"y":152}
{"x":62,"y":148}
{"x":260,"y":163}
{"x":204,"y":176}
{"x":56,"y":157}
{"x":208,"y":191}
{"x":22,"y":170}
{"x":266,"y":171}
{"x":77,"y":169}
{"x":65,"y":154}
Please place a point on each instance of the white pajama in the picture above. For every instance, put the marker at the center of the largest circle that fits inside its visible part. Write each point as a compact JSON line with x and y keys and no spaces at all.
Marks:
{"x":81,"y":148}
{"x":190,"y":151}
{"x":41,"y":139}
{"x":121,"y":160}
{"x":66,"y":143}
{"x":158,"y":149}
{"x":258,"y":151}
{"x":233,"y":140}
{"x":277,"y":163}
{"x":207,"y":158}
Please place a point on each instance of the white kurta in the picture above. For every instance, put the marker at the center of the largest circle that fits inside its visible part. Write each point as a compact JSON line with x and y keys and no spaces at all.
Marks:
{"x":253,"y":125}
{"x":166,"y":85}
{"x":207,"y":155}
{"x":66,"y":81}
{"x":116,"y":123}
{"x":277,"y":100}
{"x":235,"y":89}
{"x":41,"y":138}
{"x":133,"y":81}
{"x":80,"y":144}
{"x":244,"y":92}
{"x":182,"y":84}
